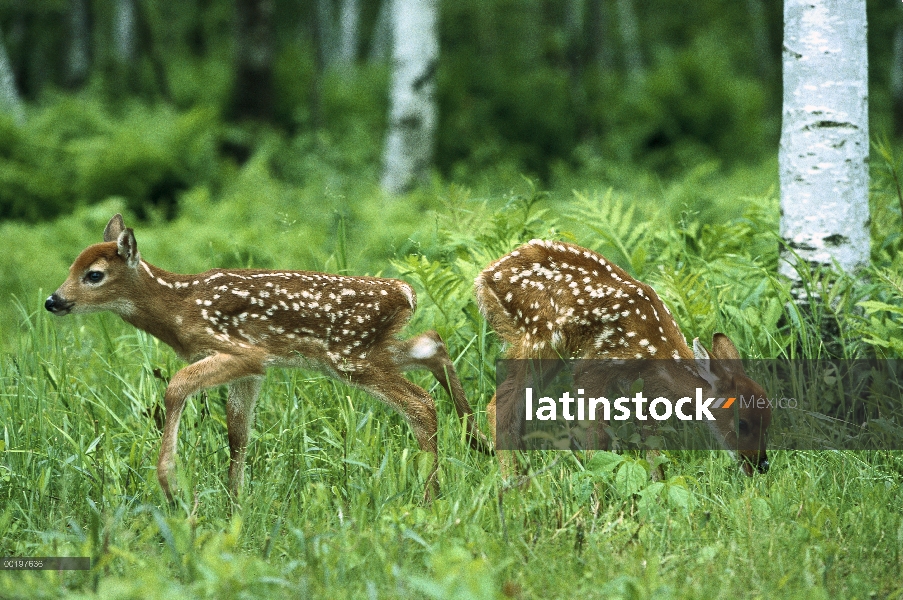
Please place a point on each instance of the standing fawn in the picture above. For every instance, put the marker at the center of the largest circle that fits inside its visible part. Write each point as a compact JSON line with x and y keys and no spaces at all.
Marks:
{"x":233,"y":324}
{"x":549,"y":300}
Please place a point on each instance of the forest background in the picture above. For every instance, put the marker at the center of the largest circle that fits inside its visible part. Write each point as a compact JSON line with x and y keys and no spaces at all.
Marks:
{"x":647,"y":131}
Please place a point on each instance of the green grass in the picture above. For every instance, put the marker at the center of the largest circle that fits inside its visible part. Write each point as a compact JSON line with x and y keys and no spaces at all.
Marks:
{"x":332,"y":504}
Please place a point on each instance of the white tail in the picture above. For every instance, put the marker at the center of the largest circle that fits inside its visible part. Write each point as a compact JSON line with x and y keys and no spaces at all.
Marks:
{"x":553,"y":299}
{"x":233,"y":324}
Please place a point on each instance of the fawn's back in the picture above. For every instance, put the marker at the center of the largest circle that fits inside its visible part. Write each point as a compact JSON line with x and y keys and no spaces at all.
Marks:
{"x":548,"y":299}
{"x":330,"y":320}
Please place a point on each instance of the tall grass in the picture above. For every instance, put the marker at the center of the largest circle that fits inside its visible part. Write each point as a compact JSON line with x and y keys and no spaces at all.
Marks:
{"x":331,"y":506}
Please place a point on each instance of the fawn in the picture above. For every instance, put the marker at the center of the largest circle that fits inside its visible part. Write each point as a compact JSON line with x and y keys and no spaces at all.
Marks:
{"x":233,"y":324}
{"x":548,"y":299}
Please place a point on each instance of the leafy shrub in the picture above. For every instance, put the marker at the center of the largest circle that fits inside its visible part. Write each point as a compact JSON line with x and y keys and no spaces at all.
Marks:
{"x":77,"y":151}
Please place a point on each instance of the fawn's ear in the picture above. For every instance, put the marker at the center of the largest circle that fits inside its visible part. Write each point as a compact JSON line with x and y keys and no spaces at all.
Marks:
{"x":725,"y":352}
{"x":127,"y":247}
{"x":113,"y":228}
{"x":703,"y":362}
{"x":723,"y":347}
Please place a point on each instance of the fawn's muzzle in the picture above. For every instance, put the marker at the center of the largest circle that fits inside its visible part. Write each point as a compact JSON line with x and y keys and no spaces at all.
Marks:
{"x":755,"y":463}
{"x":57,"y":305}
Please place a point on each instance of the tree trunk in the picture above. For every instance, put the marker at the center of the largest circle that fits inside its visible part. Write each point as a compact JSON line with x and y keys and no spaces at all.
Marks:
{"x":381,"y":42}
{"x":124,"y":34}
{"x":412,"y":115}
{"x":9,"y":94}
{"x":252,"y":95}
{"x":78,"y":57}
{"x":350,"y":18}
{"x":326,"y":48}
{"x":824,"y":137}
{"x":896,"y":79}
{"x":628,"y":24}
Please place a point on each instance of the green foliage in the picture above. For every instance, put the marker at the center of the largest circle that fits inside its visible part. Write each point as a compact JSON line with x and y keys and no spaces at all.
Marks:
{"x":334,"y":478}
{"x":74,"y":152}
{"x":32,"y":185}
{"x":692,"y":104}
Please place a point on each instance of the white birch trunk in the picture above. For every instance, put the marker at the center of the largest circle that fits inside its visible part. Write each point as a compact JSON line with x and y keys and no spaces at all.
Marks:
{"x":350,"y":17}
{"x":412,"y":113}
{"x":824,"y":149}
{"x":628,"y":24}
{"x":78,"y":59}
{"x":124,"y":32}
{"x":9,"y":94}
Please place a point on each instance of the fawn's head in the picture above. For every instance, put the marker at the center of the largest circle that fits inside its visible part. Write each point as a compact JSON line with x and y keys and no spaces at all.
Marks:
{"x":100,"y":277}
{"x":744,"y":428}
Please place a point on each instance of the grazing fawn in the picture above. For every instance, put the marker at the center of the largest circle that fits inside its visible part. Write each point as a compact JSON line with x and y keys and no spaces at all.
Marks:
{"x":556,"y":300}
{"x":233,"y":324}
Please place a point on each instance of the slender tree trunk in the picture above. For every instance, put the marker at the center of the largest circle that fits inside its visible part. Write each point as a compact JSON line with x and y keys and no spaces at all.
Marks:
{"x":349,"y":32}
{"x":9,"y":94}
{"x":381,"y":42}
{"x":252,"y":95}
{"x":824,"y":136}
{"x":629,"y":26}
{"x":412,"y":115}
{"x":78,"y":56}
{"x":327,"y":48}
{"x":124,"y":31}
{"x":896,"y":79}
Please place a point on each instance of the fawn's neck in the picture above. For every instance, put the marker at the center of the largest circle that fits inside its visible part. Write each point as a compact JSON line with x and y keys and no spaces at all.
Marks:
{"x":160,"y":306}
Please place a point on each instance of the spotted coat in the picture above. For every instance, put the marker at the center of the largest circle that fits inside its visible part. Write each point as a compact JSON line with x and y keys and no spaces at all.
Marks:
{"x":550,"y":299}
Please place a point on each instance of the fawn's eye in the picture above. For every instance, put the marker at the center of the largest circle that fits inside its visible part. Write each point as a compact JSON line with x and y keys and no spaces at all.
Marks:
{"x":94,"y":277}
{"x":743,"y":427}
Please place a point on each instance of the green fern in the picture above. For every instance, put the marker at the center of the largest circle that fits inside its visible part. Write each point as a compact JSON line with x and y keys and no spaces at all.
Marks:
{"x":621,"y":236}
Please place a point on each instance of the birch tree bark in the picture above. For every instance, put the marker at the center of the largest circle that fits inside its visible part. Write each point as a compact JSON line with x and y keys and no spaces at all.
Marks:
{"x":9,"y":94}
{"x":78,"y":55}
{"x":124,"y":33}
{"x":412,"y":114}
{"x":824,"y":150}
{"x":350,"y":17}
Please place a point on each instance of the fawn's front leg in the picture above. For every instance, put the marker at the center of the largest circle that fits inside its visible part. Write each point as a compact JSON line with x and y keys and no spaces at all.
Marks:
{"x":415,"y":405}
{"x":428,"y":351}
{"x":216,"y":369}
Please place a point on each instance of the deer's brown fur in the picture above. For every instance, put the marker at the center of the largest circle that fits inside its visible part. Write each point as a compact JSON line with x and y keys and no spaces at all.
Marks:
{"x":553,"y":300}
{"x":233,"y":324}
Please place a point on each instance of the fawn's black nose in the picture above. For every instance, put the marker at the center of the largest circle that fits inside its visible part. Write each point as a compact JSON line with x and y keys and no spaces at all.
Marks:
{"x":762,"y":467}
{"x":57,"y":305}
